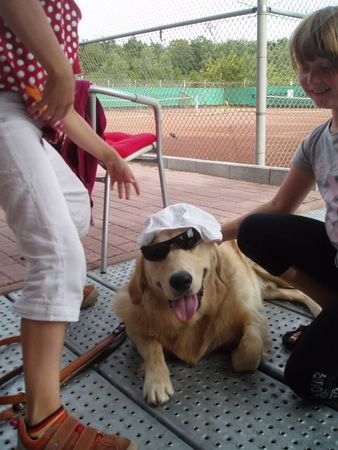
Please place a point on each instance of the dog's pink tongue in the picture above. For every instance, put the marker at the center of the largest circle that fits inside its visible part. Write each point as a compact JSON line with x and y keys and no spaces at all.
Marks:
{"x":185,"y":307}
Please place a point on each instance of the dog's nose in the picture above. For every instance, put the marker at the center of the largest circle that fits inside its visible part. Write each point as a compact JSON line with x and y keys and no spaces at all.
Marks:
{"x":180,"y":281}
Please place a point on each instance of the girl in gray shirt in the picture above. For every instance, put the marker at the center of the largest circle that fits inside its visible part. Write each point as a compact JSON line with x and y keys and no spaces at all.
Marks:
{"x":301,"y":250}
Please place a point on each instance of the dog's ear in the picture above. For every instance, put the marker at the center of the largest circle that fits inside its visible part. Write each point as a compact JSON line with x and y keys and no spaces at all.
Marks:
{"x":215,"y":258}
{"x":137,"y":282}
{"x":219,"y":264}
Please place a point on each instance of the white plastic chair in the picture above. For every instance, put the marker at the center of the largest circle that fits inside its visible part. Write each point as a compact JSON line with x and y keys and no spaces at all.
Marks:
{"x":155,"y":146}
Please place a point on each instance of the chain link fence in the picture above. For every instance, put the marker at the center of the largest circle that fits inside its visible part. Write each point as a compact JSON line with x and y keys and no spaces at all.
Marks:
{"x":201,"y":65}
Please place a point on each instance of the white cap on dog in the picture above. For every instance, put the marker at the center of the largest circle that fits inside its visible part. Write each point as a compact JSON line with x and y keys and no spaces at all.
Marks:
{"x":180,"y":215}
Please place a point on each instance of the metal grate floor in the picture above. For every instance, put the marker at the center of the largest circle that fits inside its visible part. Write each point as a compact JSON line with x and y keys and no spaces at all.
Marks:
{"x":213,"y":407}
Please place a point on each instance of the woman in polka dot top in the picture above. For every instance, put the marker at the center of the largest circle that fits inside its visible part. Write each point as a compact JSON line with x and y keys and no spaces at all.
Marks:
{"x":46,"y":205}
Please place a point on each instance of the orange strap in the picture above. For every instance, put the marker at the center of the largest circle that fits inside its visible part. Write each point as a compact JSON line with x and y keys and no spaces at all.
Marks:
{"x":91,"y":356}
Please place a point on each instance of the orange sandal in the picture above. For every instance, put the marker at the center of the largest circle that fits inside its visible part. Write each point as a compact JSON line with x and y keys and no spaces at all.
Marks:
{"x":69,"y":433}
{"x":90,"y":295}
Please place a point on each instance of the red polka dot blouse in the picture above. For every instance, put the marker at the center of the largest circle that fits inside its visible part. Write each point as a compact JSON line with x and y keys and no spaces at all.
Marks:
{"x":18,"y":66}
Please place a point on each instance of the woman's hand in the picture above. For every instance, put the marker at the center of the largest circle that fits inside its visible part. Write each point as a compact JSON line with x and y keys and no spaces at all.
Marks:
{"x":121,"y":175}
{"x":56,"y":99}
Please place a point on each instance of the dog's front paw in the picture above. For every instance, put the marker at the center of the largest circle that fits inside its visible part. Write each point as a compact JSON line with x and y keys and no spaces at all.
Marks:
{"x":242,"y":362}
{"x":157,"y":389}
{"x":247,"y":356}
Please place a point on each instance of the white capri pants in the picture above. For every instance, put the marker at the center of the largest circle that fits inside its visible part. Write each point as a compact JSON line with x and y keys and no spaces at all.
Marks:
{"x":48,"y":209}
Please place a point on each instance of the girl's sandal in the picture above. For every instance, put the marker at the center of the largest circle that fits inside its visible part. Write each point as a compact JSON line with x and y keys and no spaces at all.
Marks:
{"x":71,"y":434}
{"x":291,"y":338}
{"x":90,"y":295}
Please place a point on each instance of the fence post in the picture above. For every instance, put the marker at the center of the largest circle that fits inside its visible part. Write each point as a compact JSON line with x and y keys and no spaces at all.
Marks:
{"x":261,"y":81}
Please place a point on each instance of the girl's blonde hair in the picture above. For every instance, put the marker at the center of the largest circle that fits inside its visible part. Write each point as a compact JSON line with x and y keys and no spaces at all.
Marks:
{"x":316,"y":37}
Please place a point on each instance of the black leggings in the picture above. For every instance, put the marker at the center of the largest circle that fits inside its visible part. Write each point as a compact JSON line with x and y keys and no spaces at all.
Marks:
{"x":277,"y":242}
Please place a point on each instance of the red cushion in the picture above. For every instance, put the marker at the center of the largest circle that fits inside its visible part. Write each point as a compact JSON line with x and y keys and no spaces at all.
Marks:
{"x":127,"y":144}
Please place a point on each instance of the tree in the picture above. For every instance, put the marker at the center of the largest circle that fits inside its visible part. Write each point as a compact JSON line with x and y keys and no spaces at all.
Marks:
{"x":280,"y":70}
{"x":200,"y":59}
{"x":182,"y":56}
{"x":229,"y":68}
{"x":202,"y":50}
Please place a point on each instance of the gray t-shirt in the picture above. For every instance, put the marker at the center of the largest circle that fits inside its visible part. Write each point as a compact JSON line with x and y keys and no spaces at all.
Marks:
{"x":318,"y":154}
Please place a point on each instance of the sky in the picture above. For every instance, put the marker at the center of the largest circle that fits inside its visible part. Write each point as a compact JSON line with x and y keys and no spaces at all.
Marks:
{"x":102,"y":18}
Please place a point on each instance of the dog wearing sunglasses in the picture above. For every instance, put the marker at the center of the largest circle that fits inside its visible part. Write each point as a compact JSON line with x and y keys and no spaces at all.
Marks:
{"x":190,"y":297}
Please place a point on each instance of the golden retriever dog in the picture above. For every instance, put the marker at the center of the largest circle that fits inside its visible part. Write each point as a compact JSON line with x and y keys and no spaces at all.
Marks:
{"x":194,"y":301}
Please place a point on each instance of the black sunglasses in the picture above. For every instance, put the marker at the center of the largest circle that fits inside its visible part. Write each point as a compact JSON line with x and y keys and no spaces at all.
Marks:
{"x":157,"y":252}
